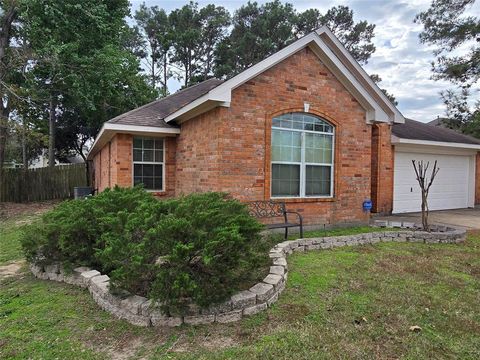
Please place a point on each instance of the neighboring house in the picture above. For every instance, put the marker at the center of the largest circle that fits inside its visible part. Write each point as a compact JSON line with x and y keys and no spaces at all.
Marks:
{"x":438,"y":122}
{"x":306,"y":125}
{"x":41,"y":160}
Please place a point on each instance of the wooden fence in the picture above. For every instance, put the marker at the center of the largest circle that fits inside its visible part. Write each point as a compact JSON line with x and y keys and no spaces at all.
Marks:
{"x":40,"y":184}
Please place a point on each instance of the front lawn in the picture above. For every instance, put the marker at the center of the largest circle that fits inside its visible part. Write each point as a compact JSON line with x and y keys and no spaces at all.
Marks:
{"x":356,"y":302}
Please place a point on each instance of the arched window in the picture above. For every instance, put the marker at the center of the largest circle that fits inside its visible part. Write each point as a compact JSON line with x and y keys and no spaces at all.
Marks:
{"x":302,"y":156}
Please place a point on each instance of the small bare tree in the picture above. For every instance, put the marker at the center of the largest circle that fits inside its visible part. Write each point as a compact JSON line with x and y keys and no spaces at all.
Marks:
{"x":421,"y":171}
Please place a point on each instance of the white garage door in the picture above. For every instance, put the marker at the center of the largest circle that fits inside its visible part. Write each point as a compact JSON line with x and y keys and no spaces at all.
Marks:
{"x":450,"y":190}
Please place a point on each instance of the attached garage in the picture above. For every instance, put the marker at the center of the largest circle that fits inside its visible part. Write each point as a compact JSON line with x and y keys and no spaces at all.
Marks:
{"x":456,"y":154}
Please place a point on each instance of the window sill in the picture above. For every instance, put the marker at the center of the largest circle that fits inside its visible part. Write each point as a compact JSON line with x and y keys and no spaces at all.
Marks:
{"x":157,"y":192}
{"x":304,"y":199}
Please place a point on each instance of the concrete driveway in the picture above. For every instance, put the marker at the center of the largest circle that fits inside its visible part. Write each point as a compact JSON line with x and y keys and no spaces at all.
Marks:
{"x":461,"y":218}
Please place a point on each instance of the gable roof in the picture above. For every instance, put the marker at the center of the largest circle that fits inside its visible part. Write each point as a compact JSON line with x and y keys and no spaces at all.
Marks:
{"x":154,"y":113}
{"x":332,"y":53}
{"x":161,"y":116}
{"x":416,"y":132}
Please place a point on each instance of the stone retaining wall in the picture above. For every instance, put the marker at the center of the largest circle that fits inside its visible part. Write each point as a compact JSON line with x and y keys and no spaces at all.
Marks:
{"x":139,"y":311}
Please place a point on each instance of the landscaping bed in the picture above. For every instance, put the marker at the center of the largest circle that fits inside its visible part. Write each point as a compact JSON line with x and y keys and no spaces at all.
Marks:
{"x":346,"y":302}
{"x":186,"y":255}
{"x":138,"y":310}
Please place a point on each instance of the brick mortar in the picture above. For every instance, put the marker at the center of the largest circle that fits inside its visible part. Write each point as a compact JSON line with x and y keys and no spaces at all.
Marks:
{"x":137,"y":310}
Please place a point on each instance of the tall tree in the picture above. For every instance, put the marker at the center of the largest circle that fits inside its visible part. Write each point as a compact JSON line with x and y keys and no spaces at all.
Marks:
{"x":80,"y":63}
{"x":357,"y":38}
{"x":461,"y":116}
{"x":260,"y":30}
{"x":447,"y":27}
{"x":214,"y":22}
{"x":196,"y":35}
{"x":187,"y":38}
{"x":153,"y":23}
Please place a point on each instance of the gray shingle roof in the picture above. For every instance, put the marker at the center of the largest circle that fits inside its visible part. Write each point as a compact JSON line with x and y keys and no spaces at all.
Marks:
{"x":416,"y":130}
{"x":152,"y":114}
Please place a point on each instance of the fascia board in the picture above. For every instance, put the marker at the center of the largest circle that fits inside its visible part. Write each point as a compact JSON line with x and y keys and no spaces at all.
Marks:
{"x":397,"y":140}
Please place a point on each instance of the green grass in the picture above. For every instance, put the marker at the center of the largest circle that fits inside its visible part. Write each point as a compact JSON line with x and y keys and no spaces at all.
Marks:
{"x":352,"y":303}
{"x":10,"y":249}
{"x":340,"y":231}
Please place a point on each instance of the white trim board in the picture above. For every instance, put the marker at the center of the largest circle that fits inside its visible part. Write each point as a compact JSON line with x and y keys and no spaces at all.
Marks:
{"x":441,"y":144}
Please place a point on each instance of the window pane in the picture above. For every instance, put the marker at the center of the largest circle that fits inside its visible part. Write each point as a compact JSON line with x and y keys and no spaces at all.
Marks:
{"x":157,"y":183}
{"x":328,"y":158}
{"x":137,"y":170}
{"x":286,"y":146}
{"x":148,"y":183}
{"x":157,"y":171}
{"x":147,"y":155}
{"x":285,"y":180}
{"x":276,"y":122}
{"x":276,"y":153}
{"x":158,"y":144}
{"x":148,"y":144}
{"x":147,"y":170}
{"x":302,"y":121}
{"x":317,"y":180}
{"x":137,"y":143}
{"x":137,"y":155}
{"x":158,"y":155}
{"x":137,"y":180}
{"x":318,"y":148}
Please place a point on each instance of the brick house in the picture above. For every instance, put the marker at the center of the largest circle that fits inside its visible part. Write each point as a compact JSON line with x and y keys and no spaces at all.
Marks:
{"x":306,"y":125}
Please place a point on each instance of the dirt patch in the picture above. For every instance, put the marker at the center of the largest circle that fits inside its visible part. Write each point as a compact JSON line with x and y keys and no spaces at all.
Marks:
{"x":10,"y":210}
{"x":11,"y":269}
{"x":126,"y":351}
{"x":209,"y":342}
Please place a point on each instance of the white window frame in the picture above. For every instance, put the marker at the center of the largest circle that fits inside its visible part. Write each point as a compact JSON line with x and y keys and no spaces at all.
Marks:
{"x":149,"y":162}
{"x":303,"y":164}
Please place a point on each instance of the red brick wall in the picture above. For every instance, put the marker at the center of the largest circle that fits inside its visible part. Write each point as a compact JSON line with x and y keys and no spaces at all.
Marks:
{"x":382,"y":169}
{"x":245,"y":130}
{"x":198,"y":153}
{"x":113,"y":164}
{"x":170,"y":165}
{"x":477,"y":181}
{"x":122,"y":160}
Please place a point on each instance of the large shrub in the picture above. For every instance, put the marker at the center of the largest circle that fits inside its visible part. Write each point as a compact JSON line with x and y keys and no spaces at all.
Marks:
{"x":199,"y":248}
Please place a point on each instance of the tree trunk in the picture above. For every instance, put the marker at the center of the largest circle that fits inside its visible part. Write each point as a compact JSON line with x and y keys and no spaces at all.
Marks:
{"x":24,"y":145}
{"x":9,"y":15}
{"x":154,"y":61}
{"x":424,"y":211}
{"x":4,"y":115}
{"x":51,"y":133}
{"x":165,"y":76}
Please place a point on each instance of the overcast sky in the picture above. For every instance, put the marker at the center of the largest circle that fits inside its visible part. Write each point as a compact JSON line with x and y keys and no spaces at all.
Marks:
{"x":400,"y":60}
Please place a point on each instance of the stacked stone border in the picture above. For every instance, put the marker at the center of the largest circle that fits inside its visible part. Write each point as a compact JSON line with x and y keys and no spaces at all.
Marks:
{"x":140,"y":311}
